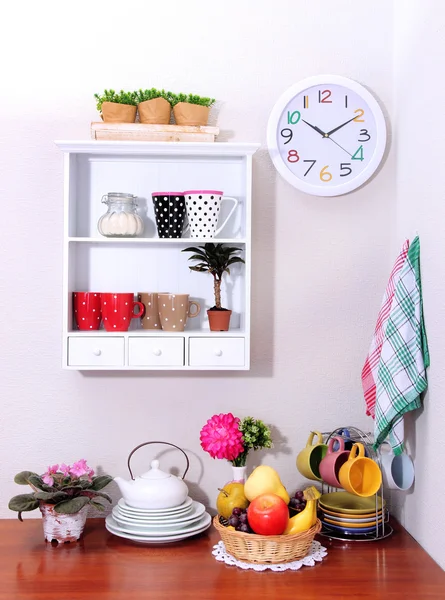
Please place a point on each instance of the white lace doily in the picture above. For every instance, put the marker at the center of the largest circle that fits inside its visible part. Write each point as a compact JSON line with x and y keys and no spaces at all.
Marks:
{"x":316,"y":554}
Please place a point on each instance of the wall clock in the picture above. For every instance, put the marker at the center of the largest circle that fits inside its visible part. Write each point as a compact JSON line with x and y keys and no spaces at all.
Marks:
{"x":326,"y":135}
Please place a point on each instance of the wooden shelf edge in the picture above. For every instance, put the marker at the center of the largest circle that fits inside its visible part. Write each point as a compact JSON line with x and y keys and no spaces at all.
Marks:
{"x":152,"y":133}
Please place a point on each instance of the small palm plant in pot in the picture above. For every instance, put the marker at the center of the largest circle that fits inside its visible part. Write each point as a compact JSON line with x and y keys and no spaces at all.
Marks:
{"x":190,"y":109}
{"x":216,"y":260}
{"x":154,"y":106}
{"x":117,"y":107}
{"x":63,"y":494}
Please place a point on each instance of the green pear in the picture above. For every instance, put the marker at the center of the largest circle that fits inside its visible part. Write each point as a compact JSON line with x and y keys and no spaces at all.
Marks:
{"x":264,"y":480}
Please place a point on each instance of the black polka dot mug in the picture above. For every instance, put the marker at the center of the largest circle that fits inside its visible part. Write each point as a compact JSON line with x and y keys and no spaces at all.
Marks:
{"x":203,"y":207}
{"x":170,"y":212}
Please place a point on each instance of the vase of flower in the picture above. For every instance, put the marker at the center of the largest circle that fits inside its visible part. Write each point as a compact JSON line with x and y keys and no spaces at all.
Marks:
{"x":239,"y":474}
{"x":231,"y":438}
{"x":62,"y":527}
{"x":62,"y":494}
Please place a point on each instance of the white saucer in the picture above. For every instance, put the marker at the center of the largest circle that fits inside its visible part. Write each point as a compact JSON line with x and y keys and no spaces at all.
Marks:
{"x":113,"y":528}
{"x":155,"y":511}
{"x":197,"y":511}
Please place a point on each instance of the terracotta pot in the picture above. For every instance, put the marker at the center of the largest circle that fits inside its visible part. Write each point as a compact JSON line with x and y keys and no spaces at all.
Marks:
{"x":112,"y":112}
{"x":219,"y":320}
{"x":61,"y":527}
{"x":156,"y":111}
{"x":190,"y":114}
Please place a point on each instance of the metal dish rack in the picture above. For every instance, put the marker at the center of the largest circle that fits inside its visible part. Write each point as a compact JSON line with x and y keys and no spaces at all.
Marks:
{"x":383,"y":529}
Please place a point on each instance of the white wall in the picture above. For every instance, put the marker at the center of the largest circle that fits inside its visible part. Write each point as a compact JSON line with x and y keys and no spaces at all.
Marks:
{"x":320,"y":265}
{"x":418,"y":123}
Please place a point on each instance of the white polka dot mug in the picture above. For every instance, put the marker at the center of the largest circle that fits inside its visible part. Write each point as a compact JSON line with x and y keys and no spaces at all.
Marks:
{"x":169,"y":210}
{"x":118,"y":310}
{"x":174,"y":309}
{"x":203,"y":208}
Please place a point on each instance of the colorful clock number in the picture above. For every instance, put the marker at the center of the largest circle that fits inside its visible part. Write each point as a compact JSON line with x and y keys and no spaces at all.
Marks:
{"x":323,"y":97}
{"x":364,"y":132}
{"x":358,"y":154}
{"x":358,"y":118}
{"x":287,"y":133}
{"x":345,"y":167}
{"x":292,"y":156}
{"x":325,"y":175}
{"x":293,"y":117}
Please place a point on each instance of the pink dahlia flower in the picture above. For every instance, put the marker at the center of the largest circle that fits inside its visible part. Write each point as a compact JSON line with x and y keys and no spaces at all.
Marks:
{"x":221,"y":437}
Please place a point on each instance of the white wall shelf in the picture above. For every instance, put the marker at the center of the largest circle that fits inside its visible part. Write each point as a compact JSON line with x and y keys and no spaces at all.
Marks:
{"x":148,"y":263}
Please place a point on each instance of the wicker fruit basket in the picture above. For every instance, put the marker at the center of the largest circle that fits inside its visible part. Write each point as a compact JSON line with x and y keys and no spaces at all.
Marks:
{"x":266,"y":549}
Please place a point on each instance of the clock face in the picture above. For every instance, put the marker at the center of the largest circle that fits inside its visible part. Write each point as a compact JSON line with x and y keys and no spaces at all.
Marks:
{"x":326,"y":135}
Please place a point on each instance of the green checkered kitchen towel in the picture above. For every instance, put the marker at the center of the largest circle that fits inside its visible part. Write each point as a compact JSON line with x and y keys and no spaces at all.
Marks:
{"x":401,"y":377}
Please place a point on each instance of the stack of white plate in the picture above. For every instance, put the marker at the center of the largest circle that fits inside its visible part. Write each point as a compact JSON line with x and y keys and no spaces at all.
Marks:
{"x":158,"y":526}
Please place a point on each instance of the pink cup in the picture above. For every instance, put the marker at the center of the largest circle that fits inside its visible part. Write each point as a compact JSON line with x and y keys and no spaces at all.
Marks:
{"x":331,"y":463}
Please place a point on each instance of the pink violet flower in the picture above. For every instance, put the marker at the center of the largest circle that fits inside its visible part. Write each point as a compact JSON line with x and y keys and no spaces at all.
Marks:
{"x":47,"y":477}
{"x":65,"y":469}
{"x":221,"y":437}
{"x":80,"y":468}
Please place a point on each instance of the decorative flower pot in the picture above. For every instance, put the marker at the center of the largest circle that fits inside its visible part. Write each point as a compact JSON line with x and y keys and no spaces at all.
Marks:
{"x":219,"y":320}
{"x":112,"y":112}
{"x":239,"y":474}
{"x":190,"y":114}
{"x":62,"y":527}
{"x":156,"y":111}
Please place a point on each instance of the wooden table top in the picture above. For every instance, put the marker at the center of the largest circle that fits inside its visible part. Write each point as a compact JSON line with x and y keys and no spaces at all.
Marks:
{"x":104,"y":567}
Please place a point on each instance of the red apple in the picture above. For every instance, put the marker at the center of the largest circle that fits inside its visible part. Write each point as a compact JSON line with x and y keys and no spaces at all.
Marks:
{"x":268,"y":514}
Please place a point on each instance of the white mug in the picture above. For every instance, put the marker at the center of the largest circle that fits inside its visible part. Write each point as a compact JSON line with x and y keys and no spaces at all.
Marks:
{"x":203,"y":208}
{"x":397,"y":471}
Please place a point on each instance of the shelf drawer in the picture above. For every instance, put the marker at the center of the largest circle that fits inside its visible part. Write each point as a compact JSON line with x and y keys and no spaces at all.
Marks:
{"x":156,"y":351}
{"x":96,"y":351}
{"x":216,"y":352}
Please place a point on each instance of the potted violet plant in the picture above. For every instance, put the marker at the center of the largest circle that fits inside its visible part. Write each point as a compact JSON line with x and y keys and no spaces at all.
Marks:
{"x":190,"y":109}
{"x":154,"y":106}
{"x":63,"y":495}
{"x":215,"y":259}
{"x":117,"y":107}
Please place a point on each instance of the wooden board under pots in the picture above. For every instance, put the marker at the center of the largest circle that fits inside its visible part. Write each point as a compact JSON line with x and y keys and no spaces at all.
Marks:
{"x":152,"y":133}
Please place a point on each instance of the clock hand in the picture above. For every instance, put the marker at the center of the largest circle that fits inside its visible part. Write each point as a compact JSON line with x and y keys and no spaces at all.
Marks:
{"x":332,"y":140}
{"x":317,"y":129}
{"x":340,"y":126}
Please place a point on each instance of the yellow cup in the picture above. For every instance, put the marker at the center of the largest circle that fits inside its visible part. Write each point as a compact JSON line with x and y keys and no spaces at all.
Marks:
{"x":360,"y":475}
{"x":309,"y":459}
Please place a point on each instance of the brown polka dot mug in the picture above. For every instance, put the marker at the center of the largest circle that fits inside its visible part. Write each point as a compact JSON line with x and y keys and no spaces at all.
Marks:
{"x":175,"y":309}
{"x":150,"y":319}
{"x":203,"y":207}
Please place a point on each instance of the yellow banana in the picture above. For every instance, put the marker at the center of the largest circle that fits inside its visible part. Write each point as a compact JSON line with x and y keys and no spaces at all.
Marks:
{"x":308,"y":516}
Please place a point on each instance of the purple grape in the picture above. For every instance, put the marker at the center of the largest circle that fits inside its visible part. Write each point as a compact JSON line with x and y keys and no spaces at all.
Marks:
{"x":236,"y":512}
{"x":243,"y":518}
{"x":234,"y":521}
{"x":293,"y":502}
{"x":244,"y":528}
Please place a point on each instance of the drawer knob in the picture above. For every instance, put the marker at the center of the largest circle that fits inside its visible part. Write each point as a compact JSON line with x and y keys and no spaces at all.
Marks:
{"x":157,"y":352}
{"x":97,"y":352}
{"x":218,"y":352}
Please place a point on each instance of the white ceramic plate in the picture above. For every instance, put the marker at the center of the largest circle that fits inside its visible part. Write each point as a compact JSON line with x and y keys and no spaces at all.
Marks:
{"x":175,"y":523}
{"x":155,"y":511}
{"x":112,"y":527}
{"x":172,"y":516}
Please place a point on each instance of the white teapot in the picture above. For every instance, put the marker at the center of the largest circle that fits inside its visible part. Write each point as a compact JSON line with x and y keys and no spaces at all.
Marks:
{"x":155,"y":489}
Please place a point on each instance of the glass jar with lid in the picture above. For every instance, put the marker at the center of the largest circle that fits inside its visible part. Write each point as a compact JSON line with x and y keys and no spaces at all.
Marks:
{"x":121,"y":218}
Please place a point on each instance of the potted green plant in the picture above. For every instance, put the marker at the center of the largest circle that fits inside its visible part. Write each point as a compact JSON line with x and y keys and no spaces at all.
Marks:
{"x":215,"y":259}
{"x":190,"y":109}
{"x":63,"y":494}
{"x":117,"y":107}
{"x":153,"y":106}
